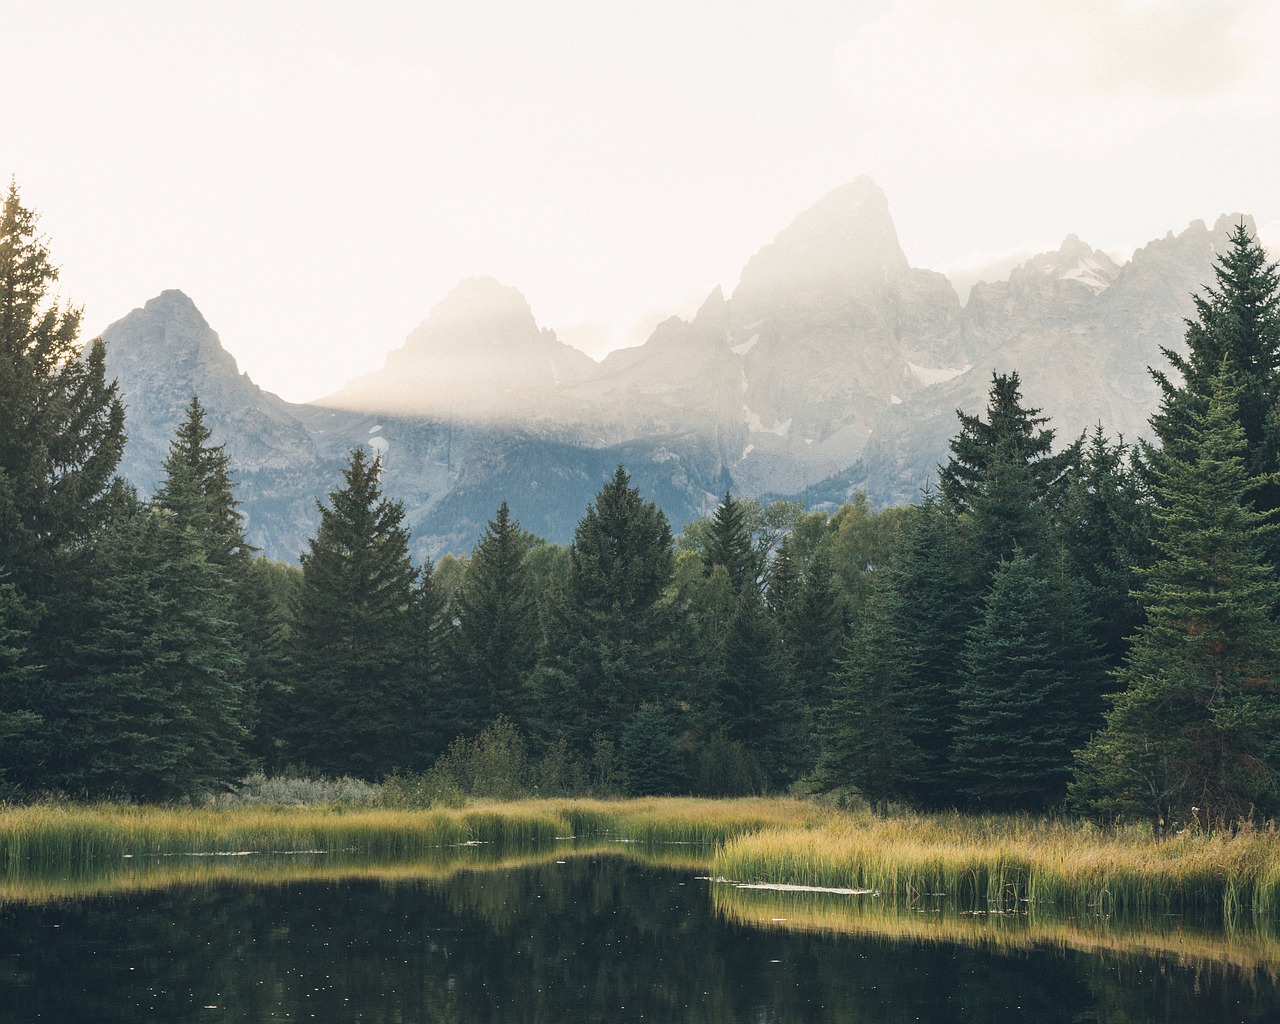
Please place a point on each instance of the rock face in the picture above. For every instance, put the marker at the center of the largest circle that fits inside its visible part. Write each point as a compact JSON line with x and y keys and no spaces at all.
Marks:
{"x":833,"y":366}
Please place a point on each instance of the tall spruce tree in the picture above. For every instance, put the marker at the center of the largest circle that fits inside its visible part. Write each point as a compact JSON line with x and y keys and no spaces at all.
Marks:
{"x":729,"y":543}
{"x":1104,"y":527}
{"x":61,"y":423}
{"x":154,"y":708}
{"x":936,"y":596}
{"x":61,"y":438}
{"x":197,"y":489}
{"x":1237,"y":320}
{"x":1032,"y":678}
{"x":1191,"y":734}
{"x":359,"y":695}
{"x":1012,"y":434}
{"x":493,"y":643}
{"x":870,"y":728}
{"x":617,"y":617}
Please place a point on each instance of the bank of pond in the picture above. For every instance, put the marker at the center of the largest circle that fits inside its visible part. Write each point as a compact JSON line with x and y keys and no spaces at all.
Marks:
{"x":774,"y":862}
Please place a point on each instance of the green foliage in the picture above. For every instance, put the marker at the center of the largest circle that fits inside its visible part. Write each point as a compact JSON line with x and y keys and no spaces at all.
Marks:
{"x":1010,"y":435}
{"x":651,"y":760}
{"x":358,"y":689}
{"x":755,"y":702}
{"x":154,"y":708}
{"x":492,"y":644}
{"x":869,"y":729}
{"x":61,"y":423}
{"x":610,"y":640}
{"x":494,"y":764}
{"x":197,"y":489}
{"x":936,"y":597}
{"x":1104,"y":528}
{"x":729,"y":544}
{"x":1193,"y":726}
{"x":1030,"y":677}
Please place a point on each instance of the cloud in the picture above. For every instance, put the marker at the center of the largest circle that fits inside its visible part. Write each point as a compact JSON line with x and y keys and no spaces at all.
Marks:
{"x":1088,"y":76}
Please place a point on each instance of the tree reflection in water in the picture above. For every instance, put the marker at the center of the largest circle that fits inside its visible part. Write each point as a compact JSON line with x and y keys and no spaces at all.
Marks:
{"x":593,"y":938}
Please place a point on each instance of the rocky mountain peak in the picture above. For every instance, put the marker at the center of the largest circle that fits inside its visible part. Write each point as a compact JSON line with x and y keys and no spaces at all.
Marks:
{"x":835,"y":250}
{"x":479,"y":353}
{"x":478,"y":309}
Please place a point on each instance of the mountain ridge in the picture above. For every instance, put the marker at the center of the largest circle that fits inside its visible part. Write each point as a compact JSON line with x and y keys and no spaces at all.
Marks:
{"x":834,"y":365}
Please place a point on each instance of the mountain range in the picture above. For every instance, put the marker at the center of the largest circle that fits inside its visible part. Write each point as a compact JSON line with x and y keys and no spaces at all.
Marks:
{"x":834,"y":366}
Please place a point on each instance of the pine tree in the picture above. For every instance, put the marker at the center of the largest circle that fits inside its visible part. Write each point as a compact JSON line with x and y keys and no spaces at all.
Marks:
{"x":1237,"y":321}
{"x":1012,"y":434}
{"x":61,"y":438}
{"x":1030,"y":675}
{"x":935,"y":604}
{"x":1104,"y":527}
{"x":61,"y":423}
{"x":359,"y":694}
{"x":755,"y":700}
{"x":197,"y":489}
{"x":729,"y":543}
{"x":617,"y":617}
{"x":17,"y":677}
{"x":493,"y":644}
{"x":154,"y":709}
{"x":869,"y":729}
{"x":1191,"y":732}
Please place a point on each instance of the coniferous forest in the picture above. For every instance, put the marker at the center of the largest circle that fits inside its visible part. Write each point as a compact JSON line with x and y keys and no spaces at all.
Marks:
{"x":1058,"y":623}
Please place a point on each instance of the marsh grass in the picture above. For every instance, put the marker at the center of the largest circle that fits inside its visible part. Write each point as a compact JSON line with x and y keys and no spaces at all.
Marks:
{"x":1007,"y":862}
{"x":980,"y":862}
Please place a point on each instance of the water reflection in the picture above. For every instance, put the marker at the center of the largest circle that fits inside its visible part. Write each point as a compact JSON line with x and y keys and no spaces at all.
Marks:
{"x":490,"y":935}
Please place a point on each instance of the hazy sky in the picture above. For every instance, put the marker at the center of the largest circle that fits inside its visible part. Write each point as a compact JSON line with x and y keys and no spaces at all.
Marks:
{"x":318,"y":175}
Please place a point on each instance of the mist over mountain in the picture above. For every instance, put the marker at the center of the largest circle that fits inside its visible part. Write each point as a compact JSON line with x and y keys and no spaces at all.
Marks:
{"x":834,"y":366}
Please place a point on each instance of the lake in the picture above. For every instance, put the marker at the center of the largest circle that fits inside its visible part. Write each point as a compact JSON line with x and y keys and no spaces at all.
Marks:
{"x":575,"y":934}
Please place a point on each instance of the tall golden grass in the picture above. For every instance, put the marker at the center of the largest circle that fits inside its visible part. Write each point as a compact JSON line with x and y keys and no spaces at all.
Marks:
{"x":973,"y":860}
{"x":981,"y":861}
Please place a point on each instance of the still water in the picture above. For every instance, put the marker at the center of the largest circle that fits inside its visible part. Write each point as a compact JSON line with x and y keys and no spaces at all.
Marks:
{"x":570,"y":938}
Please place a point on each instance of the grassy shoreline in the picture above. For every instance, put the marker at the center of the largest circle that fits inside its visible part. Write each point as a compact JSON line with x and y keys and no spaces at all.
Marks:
{"x":975,"y":861}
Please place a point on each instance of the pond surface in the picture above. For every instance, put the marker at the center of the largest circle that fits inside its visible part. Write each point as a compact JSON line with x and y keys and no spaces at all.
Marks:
{"x":570,"y":938}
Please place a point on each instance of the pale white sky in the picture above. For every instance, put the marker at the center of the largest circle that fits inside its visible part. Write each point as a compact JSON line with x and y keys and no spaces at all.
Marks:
{"x":318,"y":175}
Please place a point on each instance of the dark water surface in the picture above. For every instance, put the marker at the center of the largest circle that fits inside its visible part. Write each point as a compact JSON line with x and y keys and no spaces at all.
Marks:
{"x":592,"y":938}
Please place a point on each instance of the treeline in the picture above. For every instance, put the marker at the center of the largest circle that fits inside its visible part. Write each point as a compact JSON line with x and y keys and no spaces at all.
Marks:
{"x":1093,"y":626}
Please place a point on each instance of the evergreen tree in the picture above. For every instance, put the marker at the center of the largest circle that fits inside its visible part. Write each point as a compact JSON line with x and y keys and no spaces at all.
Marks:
{"x":154,"y":709}
{"x":17,"y":677}
{"x":1004,"y":477}
{"x":61,"y":423}
{"x":1011,"y":435}
{"x":651,"y":760}
{"x":1237,"y":321}
{"x":935,"y":601}
{"x":869,"y":729}
{"x":616,"y":616}
{"x":197,"y":489}
{"x":61,"y":437}
{"x":1192,"y":730}
{"x":755,"y":701}
{"x":1030,"y":678}
{"x":359,"y":695}
{"x":729,"y":543}
{"x":1105,"y":530}
{"x":493,"y":644}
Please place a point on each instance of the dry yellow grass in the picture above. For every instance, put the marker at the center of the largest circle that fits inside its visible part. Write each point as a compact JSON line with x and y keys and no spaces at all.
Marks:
{"x":974,"y":860}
